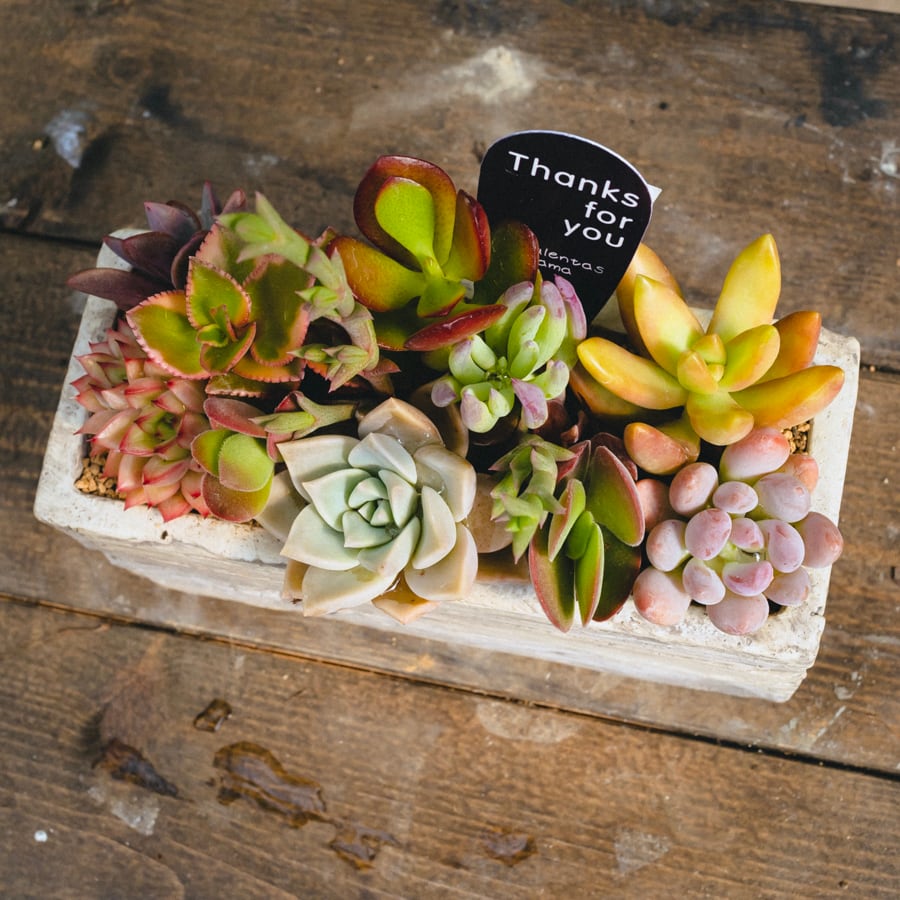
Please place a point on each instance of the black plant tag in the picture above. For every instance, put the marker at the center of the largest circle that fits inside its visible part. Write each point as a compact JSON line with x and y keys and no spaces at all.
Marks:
{"x":588,"y":207}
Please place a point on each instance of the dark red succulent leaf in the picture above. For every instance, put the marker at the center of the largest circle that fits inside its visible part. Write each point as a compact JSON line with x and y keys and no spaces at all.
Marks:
{"x":454,"y":328}
{"x":125,"y":289}
{"x":514,"y":258}
{"x":150,"y":252}
{"x":172,"y":218}
{"x":470,"y":253}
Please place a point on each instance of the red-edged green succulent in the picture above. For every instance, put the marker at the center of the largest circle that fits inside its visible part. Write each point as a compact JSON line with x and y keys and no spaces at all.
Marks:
{"x":584,"y":558}
{"x":158,"y":258}
{"x":239,"y":452}
{"x":143,"y":421}
{"x":429,"y":264}
{"x":741,"y":371}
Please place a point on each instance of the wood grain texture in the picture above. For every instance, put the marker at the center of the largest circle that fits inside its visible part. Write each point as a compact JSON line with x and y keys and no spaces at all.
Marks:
{"x":452,"y":794}
{"x":847,"y":710}
{"x":757,"y":117}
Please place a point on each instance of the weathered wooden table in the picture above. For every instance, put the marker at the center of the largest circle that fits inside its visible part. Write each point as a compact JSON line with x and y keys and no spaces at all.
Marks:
{"x":440,"y":775}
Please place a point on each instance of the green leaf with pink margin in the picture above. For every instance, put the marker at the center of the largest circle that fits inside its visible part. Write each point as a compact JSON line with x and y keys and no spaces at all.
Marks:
{"x":750,"y":355}
{"x":589,"y":575}
{"x":792,"y":399}
{"x":214,"y":296}
{"x":405,"y":210}
{"x":280,"y":315}
{"x":612,"y":499}
{"x":162,"y":328}
{"x":378,"y":281}
{"x":667,"y":326}
{"x":750,"y":291}
{"x":234,"y":415}
{"x":438,"y":184}
{"x":231,"y":505}
{"x":244,"y":464}
{"x":206,"y":447}
{"x":553,"y":582}
{"x":799,"y":332}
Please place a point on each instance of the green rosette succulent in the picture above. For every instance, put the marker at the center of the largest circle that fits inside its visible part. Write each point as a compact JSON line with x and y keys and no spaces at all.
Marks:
{"x":740,"y":372}
{"x":376,"y":512}
{"x":518,"y":363}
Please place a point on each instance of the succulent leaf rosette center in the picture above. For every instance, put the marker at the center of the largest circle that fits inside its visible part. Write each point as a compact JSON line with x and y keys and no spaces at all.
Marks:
{"x":390,"y":503}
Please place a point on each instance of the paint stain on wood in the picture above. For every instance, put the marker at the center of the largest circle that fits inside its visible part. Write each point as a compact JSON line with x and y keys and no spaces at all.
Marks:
{"x":210,"y":719}
{"x":124,"y":763}
{"x":251,"y":771}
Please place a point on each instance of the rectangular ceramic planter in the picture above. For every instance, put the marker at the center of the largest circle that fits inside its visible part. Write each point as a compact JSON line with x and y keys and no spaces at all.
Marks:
{"x":242,"y":563}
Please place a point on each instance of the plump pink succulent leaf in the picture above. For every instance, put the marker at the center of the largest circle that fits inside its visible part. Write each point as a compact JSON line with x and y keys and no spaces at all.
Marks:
{"x":663,"y":449}
{"x":613,"y":499}
{"x":666,"y":324}
{"x":281,"y":318}
{"x":804,"y":468}
{"x":244,"y":464}
{"x":125,"y":289}
{"x":235,"y":415}
{"x":632,"y":378}
{"x":822,"y":539}
{"x":589,"y":573}
{"x":799,"y":332}
{"x":792,"y":399}
{"x":405,"y":211}
{"x":379,"y":282}
{"x":174,"y":219}
{"x":621,"y":565}
{"x":166,"y":334}
{"x":231,"y":505}
{"x":553,"y":582}
{"x":514,"y":259}
{"x":717,"y":418}
{"x":454,"y":328}
{"x":750,"y":355}
{"x":434,"y":179}
{"x":750,"y":291}
{"x":470,"y":252}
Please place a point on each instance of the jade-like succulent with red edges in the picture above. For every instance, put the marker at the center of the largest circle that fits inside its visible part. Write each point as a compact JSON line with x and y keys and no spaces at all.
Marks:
{"x":432,"y":272}
{"x":742,"y":370}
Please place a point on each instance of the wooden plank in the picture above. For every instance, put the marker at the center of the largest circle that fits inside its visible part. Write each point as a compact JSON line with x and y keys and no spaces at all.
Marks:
{"x":761,"y":117}
{"x":432,"y":792}
{"x":846,"y":711}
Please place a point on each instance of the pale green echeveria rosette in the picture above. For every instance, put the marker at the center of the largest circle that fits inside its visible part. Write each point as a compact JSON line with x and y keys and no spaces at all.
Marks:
{"x":384,"y":512}
{"x":518,"y":363}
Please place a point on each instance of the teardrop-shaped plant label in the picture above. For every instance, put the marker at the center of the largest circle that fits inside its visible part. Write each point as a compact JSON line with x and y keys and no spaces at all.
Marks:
{"x":588,"y":207}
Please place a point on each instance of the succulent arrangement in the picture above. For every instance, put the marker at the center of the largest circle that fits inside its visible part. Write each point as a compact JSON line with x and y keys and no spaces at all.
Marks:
{"x":394,"y":407}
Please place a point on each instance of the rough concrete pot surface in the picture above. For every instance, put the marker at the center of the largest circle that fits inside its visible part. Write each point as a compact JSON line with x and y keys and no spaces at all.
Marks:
{"x":242,"y":563}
